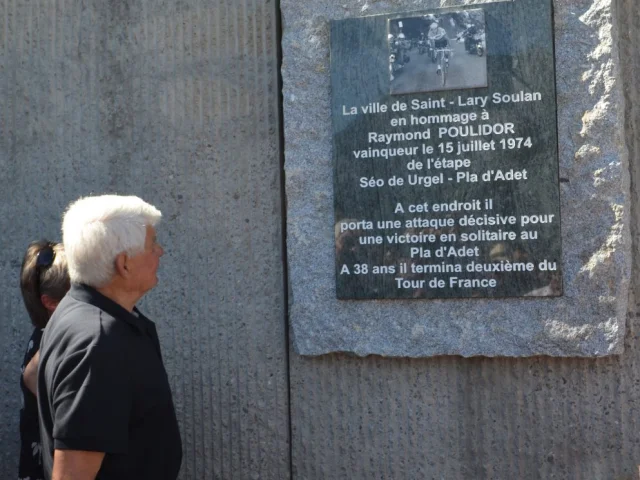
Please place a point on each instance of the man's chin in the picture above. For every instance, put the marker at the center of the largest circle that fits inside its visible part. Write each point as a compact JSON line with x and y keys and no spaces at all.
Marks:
{"x":150,"y":287}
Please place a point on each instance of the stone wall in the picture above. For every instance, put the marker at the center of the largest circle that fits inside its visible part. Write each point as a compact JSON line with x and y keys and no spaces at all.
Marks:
{"x":481,"y":418}
{"x":587,"y":320}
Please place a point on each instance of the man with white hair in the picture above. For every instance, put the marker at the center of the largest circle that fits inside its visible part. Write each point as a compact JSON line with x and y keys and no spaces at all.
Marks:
{"x":104,"y":400}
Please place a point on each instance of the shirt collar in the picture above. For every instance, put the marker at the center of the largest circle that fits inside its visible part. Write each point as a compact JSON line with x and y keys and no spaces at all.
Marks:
{"x":90,"y":295}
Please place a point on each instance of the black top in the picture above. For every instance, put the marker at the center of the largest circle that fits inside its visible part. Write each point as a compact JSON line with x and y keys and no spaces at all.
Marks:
{"x":30,"y":466}
{"x":102,"y":387}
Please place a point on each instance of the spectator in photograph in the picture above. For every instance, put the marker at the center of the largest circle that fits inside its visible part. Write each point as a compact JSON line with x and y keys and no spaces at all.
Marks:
{"x":105,"y":405}
{"x":44,"y":280}
{"x":468,"y":35}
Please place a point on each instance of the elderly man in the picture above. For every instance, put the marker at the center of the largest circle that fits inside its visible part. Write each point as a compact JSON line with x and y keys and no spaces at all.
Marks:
{"x":104,"y":400}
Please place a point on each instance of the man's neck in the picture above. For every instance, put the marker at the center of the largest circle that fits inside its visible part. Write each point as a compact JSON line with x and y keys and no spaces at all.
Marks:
{"x":126,"y":300}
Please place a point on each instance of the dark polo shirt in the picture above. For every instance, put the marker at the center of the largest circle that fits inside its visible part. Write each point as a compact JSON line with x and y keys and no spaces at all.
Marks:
{"x":102,"y":387}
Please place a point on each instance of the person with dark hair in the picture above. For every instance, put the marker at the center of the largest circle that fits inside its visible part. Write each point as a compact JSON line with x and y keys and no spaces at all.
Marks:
{"x":44,"y":280}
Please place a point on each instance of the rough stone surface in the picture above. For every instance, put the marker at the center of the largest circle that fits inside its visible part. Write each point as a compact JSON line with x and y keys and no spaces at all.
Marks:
{"x":484,"y":418}
{"x":589,"y":320}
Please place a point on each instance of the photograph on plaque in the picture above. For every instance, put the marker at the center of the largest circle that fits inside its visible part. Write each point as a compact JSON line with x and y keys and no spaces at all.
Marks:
{"x":437,"y":52}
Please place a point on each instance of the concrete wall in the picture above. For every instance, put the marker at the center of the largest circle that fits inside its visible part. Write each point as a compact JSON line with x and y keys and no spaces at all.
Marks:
{"x":176,"y":102}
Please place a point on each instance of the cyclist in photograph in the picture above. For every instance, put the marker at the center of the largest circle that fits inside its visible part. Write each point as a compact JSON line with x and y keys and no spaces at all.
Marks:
{"x":438,"y":36}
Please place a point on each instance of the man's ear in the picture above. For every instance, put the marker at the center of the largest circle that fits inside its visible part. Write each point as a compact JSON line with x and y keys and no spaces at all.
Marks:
{"x":121,"y":265}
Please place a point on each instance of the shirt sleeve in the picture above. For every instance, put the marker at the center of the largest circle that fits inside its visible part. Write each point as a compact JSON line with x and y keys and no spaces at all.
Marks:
{"x":92,"y":402}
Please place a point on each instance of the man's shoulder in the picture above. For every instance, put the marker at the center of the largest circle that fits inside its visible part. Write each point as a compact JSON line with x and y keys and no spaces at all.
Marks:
{"x":81,"y":323}
{"x":83,"y":336}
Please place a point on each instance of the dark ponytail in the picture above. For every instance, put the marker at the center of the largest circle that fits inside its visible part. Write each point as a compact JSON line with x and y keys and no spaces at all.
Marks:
{"x":36,"y":281}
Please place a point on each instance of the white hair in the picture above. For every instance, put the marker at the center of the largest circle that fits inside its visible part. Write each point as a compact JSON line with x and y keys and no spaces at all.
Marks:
{"x":95,"y":230}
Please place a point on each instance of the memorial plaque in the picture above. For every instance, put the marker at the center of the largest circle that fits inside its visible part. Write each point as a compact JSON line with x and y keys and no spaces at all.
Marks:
{"x":445,"y":154}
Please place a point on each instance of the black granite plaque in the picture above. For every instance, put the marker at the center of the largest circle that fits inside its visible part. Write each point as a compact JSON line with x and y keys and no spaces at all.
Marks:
{"x":445,"y":153}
